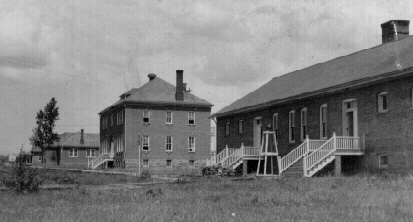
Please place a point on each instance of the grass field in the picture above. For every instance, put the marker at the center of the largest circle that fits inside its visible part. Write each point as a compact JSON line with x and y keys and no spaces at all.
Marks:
{"x":358,"y":198}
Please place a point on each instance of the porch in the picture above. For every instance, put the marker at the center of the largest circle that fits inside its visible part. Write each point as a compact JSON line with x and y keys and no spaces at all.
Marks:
{"x":310,"y":156}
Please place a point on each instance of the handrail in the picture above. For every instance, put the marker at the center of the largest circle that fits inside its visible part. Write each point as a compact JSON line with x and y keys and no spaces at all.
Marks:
{"x":251,"y":151}
{"x":293,"y":156}
{"x":315,"y":144}
{"x":318,"y":155}
{"x":345,"y":142}
{"x":235,"y":156}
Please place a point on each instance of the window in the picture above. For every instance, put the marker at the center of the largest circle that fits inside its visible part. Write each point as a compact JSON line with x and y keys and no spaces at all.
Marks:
{"x":169,"y":163}
{"x":90,"y":153}
{"x":227,"y":129}
{"x":111,"y":120}
{"x":168,"y":143}
{"x":240,"y":127}
{"x":382,"y":102}
{"x":275,"y":124}
{"x":168,"y":117}
{"x":303,"y":123}
{"x":291,"y":126}
{"x":323,"y":121}
{"x":191,"y":118}
{"x":145,"y":163}
{"x":192,"y":163}
{"x":191,"y":144}
{"x":145,"y":143}
{"x":411,"y":97}
{"x":146,"y":116}
{"x":73,"y":152}
{"x":383,"y":161}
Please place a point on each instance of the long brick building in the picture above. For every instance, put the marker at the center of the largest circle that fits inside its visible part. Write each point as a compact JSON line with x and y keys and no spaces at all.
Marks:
{"x":362,"y":103}
{"x":156,"y":125}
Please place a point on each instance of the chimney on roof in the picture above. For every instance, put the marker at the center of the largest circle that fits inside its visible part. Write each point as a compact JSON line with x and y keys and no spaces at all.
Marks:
{"x":179,"y":95}
{"x":151,"y":76}
{"x":82,"y":138}
{"x":394,"y":30}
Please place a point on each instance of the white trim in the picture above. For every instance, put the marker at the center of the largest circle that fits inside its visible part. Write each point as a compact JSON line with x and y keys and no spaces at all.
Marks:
{"x":149,"y":116}
{"x":191,"y":148}
{"x":381,"y":97}
{"x":74,"y":149}
{"x":166,"y":143}
{"x":90,"y":152}
{"x":169,"y":123}
{"x":387,"y":159}
{"x":322,"y":117}
{"x":303,"y":124}
{"x":147,"y":144}
{"x":349,"y":108}
{"x":291,"y":126}
{"x":191,"y":118}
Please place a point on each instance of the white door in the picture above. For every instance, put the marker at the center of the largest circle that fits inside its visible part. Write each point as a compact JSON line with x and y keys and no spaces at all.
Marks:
{"x":257,"y":132}
{"x":350,"y":118}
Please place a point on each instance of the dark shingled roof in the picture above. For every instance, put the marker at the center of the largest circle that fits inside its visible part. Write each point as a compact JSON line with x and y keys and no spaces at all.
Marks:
{"x":369,"y":63}
{"x":73,"y":140}
{"x":158,"y":91}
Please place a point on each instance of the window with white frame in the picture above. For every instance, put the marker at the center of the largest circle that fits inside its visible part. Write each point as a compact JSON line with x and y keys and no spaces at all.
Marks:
{"x":240,"y":127}
{"x":323,"y":121}
{"x":275,"y":124}
{"x":73,"y":152}
{"x":191,"y":118}
{"x":291,"y":126}
{"x":145,"y":163}
{"x":191,"y":144}
{"x":90,"y":153}
{"x":383,"y":161}
{"x":303,"y":123}
{"x":145,"y":143}
{"x":146,"y":116}
{"x":382,"y":102}
{"x":227,"y":128}
{"x":168,"y":143}
{"x":169,"y":163}
{"x":168,"y":117}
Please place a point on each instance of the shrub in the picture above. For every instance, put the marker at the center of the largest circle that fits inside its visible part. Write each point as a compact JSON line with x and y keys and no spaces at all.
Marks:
{"x":22,"y":179}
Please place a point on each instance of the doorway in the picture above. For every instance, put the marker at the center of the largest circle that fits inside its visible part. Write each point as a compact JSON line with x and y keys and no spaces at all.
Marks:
{"x":350,"y":118}
{"x":257,"y":132}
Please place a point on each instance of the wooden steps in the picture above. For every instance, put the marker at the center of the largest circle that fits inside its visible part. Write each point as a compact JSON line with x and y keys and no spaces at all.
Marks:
{"x":295,"y":170}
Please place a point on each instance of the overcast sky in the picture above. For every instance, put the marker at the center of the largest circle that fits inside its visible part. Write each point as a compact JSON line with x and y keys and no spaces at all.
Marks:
{"x":87,"y":53}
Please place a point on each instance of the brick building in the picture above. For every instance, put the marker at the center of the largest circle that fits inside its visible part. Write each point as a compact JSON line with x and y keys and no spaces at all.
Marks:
{"x":169,"y":125}
{"x":364,"y":98}
{"x":73,"y":149}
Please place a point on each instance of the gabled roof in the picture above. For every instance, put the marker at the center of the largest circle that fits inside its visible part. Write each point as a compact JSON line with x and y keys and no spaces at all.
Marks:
{"x":73,"y":140}
{"x":157,"y":91}
{"x":393,"y":57}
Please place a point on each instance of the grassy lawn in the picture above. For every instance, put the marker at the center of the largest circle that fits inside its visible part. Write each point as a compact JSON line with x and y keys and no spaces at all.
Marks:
{"x":359,"y":198}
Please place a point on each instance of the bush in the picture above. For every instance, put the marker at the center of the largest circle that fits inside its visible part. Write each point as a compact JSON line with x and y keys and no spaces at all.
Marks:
{"x":22,"y":179}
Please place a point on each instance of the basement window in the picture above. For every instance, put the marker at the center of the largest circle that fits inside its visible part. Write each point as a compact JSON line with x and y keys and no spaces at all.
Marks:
{"x":169,"y":163}
{"x":382,"y":102}
{"x":383,"y":161}
{"x":192,"y":163}
{"x":145,"y":163}
{"x":146,"y":116}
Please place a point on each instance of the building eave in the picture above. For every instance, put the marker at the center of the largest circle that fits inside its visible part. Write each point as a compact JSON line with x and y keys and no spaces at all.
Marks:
{"x":352,"y":84}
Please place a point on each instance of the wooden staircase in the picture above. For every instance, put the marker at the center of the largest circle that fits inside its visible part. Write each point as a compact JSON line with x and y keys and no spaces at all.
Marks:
{"x":295,"y":170}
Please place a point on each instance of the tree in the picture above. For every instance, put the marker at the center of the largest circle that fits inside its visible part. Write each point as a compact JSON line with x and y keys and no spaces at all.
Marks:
{"x":43,"y":134}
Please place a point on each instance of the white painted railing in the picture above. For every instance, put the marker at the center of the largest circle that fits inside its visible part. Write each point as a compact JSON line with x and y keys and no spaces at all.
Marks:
{"x":235,"y":156}
{"x":315,"y":144}
{"x":320,"y":154}
{"x":293,"y":156}
{"x":251,"y":151}
{"x":99,"y":160}
{"x":345,"y":142}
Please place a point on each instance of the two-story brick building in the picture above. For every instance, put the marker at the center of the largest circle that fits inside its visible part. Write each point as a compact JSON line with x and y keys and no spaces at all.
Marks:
{"x":156,"y":125}
{"x":367,"y":94}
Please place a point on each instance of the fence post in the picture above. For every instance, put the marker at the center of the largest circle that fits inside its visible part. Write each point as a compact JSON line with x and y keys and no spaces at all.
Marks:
{"x":226,"y":151}
{"x":334,"y":141}
{"x":242,"y":150}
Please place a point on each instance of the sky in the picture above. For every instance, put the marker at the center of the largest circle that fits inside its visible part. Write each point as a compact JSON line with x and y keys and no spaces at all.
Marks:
{"x":87,"y":53}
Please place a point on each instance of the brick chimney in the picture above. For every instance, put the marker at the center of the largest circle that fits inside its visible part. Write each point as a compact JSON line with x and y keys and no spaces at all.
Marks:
{"x":82,"y":138}
{"x":179,"y":95}
{"x":151,"y":76}
{"x":394,"y":30}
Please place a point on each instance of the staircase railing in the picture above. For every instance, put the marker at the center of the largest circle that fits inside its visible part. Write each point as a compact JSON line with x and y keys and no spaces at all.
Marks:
{"x":352,"y":143}
{"x":235,"y":156}
{"x":320,"y":154}
{"x":99,"y":160}
{"x":250,"y":151}
{"x":293,"y":156}
{"x":315,"y":144}
{"x":220,"y":157}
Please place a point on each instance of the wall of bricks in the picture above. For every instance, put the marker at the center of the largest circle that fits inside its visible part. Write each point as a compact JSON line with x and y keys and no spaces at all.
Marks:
{"x":157,"y":130}
{"x":389,"y":133}
{"x":81,"y":159}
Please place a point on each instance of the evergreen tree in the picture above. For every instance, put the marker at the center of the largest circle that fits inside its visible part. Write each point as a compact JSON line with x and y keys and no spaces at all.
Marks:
{"x":43,"y":134}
